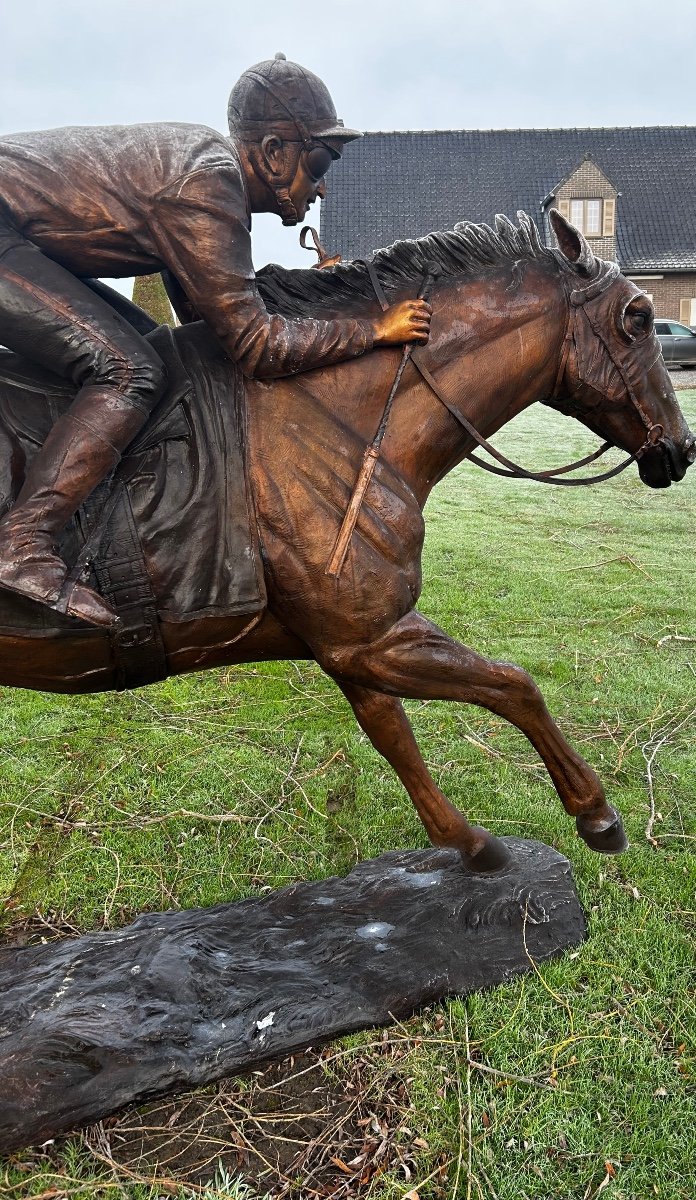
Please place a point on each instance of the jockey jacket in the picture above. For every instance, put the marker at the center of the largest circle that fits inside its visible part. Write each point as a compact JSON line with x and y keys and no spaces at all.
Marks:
{"x":134,"y":199}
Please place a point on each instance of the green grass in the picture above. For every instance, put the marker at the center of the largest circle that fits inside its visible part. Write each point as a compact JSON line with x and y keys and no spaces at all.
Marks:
{"x":210,"y":787}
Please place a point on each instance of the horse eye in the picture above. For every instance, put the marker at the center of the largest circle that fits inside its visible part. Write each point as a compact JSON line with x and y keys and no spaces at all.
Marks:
{"x":637,"y":322}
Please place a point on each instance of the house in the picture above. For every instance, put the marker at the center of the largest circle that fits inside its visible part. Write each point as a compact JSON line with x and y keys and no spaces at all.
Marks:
{"x":632,"y":191}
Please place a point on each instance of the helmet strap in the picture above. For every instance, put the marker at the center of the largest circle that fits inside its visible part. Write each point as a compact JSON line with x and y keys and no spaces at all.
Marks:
{"x":286,"y":208}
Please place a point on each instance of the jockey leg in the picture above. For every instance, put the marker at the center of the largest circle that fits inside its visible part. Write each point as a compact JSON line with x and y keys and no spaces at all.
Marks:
{"x":75,"y":457}
{"x":51,"y":317}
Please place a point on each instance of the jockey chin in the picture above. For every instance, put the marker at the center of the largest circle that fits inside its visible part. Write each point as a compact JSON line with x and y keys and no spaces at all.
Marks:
{"x":79,"y":203}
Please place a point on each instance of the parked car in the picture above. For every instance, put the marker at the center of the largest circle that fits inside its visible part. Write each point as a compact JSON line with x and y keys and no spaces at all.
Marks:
{"x":678,"y":343}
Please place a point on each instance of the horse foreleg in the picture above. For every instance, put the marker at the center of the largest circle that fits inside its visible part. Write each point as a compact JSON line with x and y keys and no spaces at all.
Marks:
{"x":415,"y":659}
{"x":384,"y":721}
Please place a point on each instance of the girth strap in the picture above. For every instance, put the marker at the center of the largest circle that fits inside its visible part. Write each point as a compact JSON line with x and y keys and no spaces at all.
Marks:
{"x":123,"y":578}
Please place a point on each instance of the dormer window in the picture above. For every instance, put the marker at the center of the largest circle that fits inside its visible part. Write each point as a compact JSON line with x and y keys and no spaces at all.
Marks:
{"x":586,"y":215}
{"x":593,"y":216}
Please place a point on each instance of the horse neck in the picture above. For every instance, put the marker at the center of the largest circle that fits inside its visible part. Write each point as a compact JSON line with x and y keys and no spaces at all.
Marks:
{"x":495,"y":349}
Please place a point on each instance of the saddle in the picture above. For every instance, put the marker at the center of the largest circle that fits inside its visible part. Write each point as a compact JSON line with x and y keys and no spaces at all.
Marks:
{"x":171,"y":535}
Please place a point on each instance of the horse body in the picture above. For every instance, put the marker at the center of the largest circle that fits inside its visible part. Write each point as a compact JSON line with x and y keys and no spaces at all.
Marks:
{"x":500,"y":342}
{"x":302,"y":485}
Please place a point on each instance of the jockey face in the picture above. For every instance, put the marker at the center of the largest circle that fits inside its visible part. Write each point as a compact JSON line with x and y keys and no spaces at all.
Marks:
{"x":309,"y":182}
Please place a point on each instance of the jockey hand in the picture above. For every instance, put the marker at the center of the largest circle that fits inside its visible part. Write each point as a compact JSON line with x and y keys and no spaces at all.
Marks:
{"x":408,"y":321}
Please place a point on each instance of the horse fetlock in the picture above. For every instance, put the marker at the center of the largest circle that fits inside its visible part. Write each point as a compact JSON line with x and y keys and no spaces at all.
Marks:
{"x":584,"y":796}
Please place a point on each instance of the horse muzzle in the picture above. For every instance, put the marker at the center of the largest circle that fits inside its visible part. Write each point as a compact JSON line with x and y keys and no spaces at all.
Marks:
{"x":667,"y":462}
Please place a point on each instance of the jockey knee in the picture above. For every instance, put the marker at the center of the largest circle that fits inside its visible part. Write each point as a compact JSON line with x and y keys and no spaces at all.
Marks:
{"x":141,"y":379}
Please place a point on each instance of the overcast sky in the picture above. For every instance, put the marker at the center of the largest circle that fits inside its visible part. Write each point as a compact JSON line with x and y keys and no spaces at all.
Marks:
{"x":431,"y":64}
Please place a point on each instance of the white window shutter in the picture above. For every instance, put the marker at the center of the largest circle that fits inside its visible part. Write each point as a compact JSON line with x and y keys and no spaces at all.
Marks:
{"x":609,"y":218}
{"x":685,"y":312}
{"x":564,"y":208}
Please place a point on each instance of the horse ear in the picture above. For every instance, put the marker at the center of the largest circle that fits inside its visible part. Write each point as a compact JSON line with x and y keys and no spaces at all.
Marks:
{"x":572,"y":244}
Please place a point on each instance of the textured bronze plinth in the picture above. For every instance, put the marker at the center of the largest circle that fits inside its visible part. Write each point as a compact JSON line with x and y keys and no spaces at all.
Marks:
{"x":180,"y":999}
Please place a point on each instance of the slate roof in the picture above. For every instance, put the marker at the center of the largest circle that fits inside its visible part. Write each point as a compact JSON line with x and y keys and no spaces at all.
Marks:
{"x":405,"y":184}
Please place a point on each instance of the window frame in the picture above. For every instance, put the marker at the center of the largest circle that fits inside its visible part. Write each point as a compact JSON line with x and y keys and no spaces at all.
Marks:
{"x":585,"y":200}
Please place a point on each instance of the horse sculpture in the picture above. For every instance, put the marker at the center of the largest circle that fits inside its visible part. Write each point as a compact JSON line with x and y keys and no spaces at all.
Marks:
{"x":513,"y":323}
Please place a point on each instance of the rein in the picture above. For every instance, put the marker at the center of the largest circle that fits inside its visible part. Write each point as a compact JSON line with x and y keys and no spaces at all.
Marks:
{"x":577,"y":299}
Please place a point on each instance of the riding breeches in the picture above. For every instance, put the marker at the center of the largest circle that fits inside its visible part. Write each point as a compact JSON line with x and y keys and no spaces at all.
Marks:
{"x":51,"y":317}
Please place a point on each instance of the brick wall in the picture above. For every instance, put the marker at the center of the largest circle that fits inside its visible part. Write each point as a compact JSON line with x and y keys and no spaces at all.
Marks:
{"x":668,"y":291}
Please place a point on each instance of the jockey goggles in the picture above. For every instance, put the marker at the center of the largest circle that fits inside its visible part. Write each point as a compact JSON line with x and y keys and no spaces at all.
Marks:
{"x":317,"y":161}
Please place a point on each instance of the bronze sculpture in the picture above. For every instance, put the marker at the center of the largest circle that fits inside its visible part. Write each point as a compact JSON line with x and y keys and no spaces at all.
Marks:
{"x":513,"y":323}
{"x":133,"y":200}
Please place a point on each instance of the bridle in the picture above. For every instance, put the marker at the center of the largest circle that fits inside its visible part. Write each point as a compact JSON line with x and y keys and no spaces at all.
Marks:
{"x":577,"y":301}
{"x":574,"y":339}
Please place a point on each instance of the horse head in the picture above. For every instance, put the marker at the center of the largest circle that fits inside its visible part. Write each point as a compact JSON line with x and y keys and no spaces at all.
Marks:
{"x":612,"y":375}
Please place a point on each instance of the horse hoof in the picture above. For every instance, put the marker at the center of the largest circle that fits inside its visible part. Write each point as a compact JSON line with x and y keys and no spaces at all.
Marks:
{"x":493,"y":855}
{"x":605,"y":835}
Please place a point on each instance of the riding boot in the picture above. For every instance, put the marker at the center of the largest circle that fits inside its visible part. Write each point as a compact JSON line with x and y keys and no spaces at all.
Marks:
{"x":83,"y":446}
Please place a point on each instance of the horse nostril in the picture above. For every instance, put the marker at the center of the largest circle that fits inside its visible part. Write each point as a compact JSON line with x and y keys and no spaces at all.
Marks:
{"x":691,"y":450}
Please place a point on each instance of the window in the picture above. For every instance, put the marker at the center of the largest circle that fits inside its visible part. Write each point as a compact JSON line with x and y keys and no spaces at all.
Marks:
{"x":593,"y":216}
{"x":586,"y":215}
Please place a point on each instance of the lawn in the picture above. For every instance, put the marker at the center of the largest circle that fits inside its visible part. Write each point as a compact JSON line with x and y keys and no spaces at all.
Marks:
{"x":576,"y":1081}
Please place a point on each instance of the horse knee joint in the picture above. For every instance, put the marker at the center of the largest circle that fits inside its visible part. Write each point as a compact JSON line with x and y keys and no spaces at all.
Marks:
{"x":510,"y":675}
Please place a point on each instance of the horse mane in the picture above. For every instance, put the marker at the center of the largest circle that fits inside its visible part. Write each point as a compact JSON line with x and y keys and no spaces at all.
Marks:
{"x":465,"y":250}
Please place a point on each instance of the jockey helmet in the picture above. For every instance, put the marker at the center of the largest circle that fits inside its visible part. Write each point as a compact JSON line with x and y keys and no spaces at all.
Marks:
{"x":277,"y":96}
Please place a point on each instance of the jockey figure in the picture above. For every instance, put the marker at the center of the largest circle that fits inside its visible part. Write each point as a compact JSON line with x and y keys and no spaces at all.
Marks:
{"x":130,"y":200}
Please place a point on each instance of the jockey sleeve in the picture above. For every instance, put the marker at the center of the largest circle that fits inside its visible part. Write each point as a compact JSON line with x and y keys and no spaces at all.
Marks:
{"x":198,"y":230}
{"x":129,"y":200}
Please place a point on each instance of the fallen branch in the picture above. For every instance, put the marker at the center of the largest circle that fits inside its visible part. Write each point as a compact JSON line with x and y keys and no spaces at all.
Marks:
{"x":619,"y":558}
{"x":661,"y":739}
